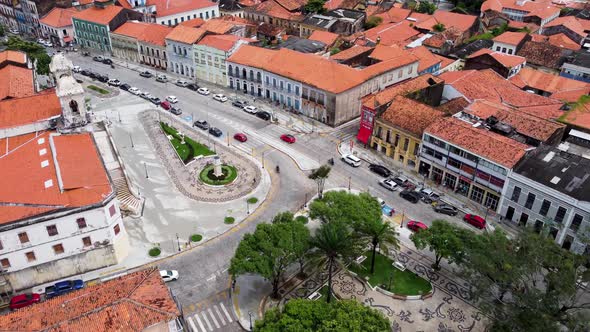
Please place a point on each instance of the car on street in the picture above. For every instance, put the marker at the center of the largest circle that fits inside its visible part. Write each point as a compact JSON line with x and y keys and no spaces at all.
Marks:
{"x":155,"y":100}
{"x":169,"y":275}
{"x":85,"y":72}
{"x":107,"y":61}
{"x":145,"y":95}
{"x":161,"y":78}
{"x":430,"y":194}
{"x":146,"y":74}
{"x":49,"y":44}
{"x":263,"y":115}
{"x":380,"y":170}
{"x":240,"y":137}
{"x":220,"y":97}
{"x":63,"y":287}
{"x":351,"y":160}
{"x":23,"y":300}
{"x":175,"y":110}
{"x":114,"y":82}
{"x":124,"y":87}
{"x":445,"y":209}
{"x":76,"y":69}
{"x":203,"y":91}
{"x":388,"y":184}
{"x":166,"y":105}
{"x":288,"y":138}
{"x":172,"y":99}
{"x":250,"y":109}
{"x":201,"y":124}
{"x":400,"y":180}
{"x":410,"y":196}
{"x":192,"y":86}
{"x":215,"y":131}
{"x":416,"y":226}
{"x":239,"y":103}
{"x":102,"y":78}
{"x":134,"y":90}
{"x":181,"y":83}
{"x":475,"y":220}
{"x":98,"y":58}
{"x":93,"y":75}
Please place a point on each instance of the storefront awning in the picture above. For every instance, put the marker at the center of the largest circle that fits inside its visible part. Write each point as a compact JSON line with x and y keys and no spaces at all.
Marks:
{"x":364,"y":134}
{"x":67,"y":39}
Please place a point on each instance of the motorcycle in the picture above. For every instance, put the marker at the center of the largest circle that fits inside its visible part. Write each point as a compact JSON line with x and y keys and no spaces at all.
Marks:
{"x":278,"y":169}
{"x":331,"y":161}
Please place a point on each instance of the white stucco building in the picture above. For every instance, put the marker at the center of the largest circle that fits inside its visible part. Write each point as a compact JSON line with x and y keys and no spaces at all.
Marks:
{"x":57,"y":26}
{"x":210,"y":56}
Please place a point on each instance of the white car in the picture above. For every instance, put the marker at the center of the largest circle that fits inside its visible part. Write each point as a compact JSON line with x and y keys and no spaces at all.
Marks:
{"x":251,"y":109}
{"x":220,"y":97}
{"x":134,"y":90}
{"x":49,"y":44}
{"x":114,"y":82}
{"x":351,"y":160}
{"x":172,"y":99}
{"x":388,"y":184}
{"x":203,"y":91}
{"x":181,"y":83}
{"x":145,"y":95}
{"x":76,"y":69}
{"x":169,"y":275}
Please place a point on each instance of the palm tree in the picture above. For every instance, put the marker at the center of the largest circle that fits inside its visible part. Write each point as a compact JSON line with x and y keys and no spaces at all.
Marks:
{"x":378,"y":233}
{"x":334,"y":244}
{"x":319,"y":175}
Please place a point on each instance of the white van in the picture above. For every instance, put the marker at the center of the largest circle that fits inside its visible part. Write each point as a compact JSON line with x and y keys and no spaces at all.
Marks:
{"x":351,"y":160}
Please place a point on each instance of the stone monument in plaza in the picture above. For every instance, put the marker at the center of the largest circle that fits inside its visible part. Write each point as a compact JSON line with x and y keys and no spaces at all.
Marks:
{"x":217,"y":172}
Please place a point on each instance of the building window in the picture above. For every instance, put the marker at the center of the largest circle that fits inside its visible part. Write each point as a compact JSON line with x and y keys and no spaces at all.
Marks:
{"x":86,"y":241}
{"x":5,"y":262}
{"x":30,"y":256}
{"x":544,"y":207}
{"x":515,"y":194}
{"x":51,"y":230}
{"x":576,"y":222}
{"x":23,"y":237}
{"x":406,"y":143}
{"x":112,"y":210}
{"x":560,"y":214}
{"x":476,"y":194}
{"x":530,"y":200}
{"x":553,"y":232}
{"x":117,"y":229}
{"x":58,"y":249}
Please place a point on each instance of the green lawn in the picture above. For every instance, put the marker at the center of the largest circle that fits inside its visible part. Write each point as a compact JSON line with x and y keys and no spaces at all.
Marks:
{"x":99,"y":90}
{"x":190,"y":149}
{"x":402,"y":282}
{"x":231,"y":173}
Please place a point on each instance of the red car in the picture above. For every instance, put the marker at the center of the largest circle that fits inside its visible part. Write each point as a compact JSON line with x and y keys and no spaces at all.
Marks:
{"x":24,"y":300}
{"x":474,"y":220}
{"x":166,"y":105}
{"x":288,"y":138}
{"x":416,"y":226}
{"x":240,"y":137}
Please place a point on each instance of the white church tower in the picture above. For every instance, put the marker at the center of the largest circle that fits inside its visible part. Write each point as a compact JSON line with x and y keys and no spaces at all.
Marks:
{"x":69,"y":92}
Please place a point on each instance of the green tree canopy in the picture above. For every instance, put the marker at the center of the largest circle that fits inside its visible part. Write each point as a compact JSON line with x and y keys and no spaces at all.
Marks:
{"x":426,"y":7}
{"x":372,"y":22}
{"x":345,"y":207}
{"x":319,"y":175}
{"x":35,"y":51}
{"x":300,"y":235}
{"x":439,"y":27}
{"x":315,"y":6}
{"x":305,"y":315}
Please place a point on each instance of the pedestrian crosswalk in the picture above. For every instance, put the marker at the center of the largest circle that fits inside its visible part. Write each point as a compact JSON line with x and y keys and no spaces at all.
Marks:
{"x":209,"y":319}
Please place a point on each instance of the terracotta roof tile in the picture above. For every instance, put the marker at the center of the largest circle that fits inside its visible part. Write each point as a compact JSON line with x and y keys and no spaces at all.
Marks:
{"x":218,"y":26}
{"x":292,"y":5}
{"x":13,"y":56}
{"x":133,"y":302}
{"x":541,"y":8}
{"x":484,"y":143}
{"x":461,"y":22}
{"x":155,"y":34}
{"x":427,"y":59}
{"x":554,"y":84}
{"x":16,"y":82}
{"x":21,"y":111}
{"x":132,"y":29}
{"x":382,"y":52}
{"x":274,"y":9}
{"x":194,"y":23}
{"x":390,"y":33}
{"x":542,"y":54}
{"x":220,"y":42}
{"x":58,"y":17}
{"x":386,"y":95}
{"x":167,"y":7}
{"x":98,"y":15}
{"x":395,"y":15}
{"x":507,"y":60}
{"x":570,"y":22}
{"x":563,"y":41}
{"x":350,"y":53}
{"x":410,"y":115}
{"x":438,"y":40}
{"x":510,"y":38}
{"x":325,"y":37}
{"x":578,"y":117}
{"x":185,"y":34}
{"x":453,"y":106}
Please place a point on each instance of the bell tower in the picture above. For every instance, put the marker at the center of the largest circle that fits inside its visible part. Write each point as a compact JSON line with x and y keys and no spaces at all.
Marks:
{"x":69,"y":92}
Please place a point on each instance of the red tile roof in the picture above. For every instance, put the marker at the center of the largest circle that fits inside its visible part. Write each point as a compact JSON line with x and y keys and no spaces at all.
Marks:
{"x":511,"y":38}
{"x":542,"y":54}
{"x":98,"y":15}
{"x":58,"y":17}
{"x":13,"y":56}
{"x":558,"y":86}
{"x":439,"y":39}
{"x":134,"y":302}
{"x":382,"y":52}
{"x":461,"y":22}
{"x":155,"y":34}
{"x":27,"y":182}
{"x":31,"y":109}
{"x":563,"y":41}
{"x":168,"y":7}
{"x":220,"y":42}
{"x":274,"y":9}
{"x":219,"y":26}
{"x":484,"y":143}
{"x":185,"y":34}
{"x":16,"y":82}
{"x":395,"y":15}
{"x":350,"y":53}
{"x":386,"y":95}
{"x":325,"y":37}
{"x":194,"y":23}
{"x":541,"y":8}
{"x":578,"y":117}
{"x":427,"y":58}
{"x":390,"y":33}
{"x":569,"y":22}
{"x":132,"y":29}
{"x":506,"y":60}
{"x":410,"y":115}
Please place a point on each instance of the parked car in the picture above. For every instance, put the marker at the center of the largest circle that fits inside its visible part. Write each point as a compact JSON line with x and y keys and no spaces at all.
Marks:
{"x":380,"y":170}
{"x":85,"y":72}
{"x":86,"y":53}
{"x":134,"y":90}
{"x":400,"y":180}
{"x":351,"y":160}
{"x":239,"y":103}
{"x":193,"y":86}
{"x":446,"y":209}
{"x":388,"y":184}
{"x":107,"y":61}
{"x":263,"y":115}
{"x":175,"y":110}
{"x":240,"y":137}
{"x":201,"y":124}
{"x":215,"y":131}
{"x":410,"y":196}
{"x":430,"y":194}
{"x":172,"y":99}
{"x":93,"y":75}
{"x":145,"y":95}
{"x":76,"y":69}
{"x":124,"y":87}
{"x":146,"y":74}
{"x":288,"y":138}
{"x":114,"y":82}
{"x":181,"y":83}
{"x":155,"y":100}
{"x":166,"y":105}
{"x":49,"y":44}
{"x":102,"y":78}
{"x":169,"y":275}
{"x":250,"y":109}
{"x":63,"y":287}
{"x":203,"y":91}
{"x":220,"y":97}
{"x":23,"y":300}
{"x":98,"y":58}
{"x":416,"y":226}
{"x":161,"y":78}
{"x":475,"y":220}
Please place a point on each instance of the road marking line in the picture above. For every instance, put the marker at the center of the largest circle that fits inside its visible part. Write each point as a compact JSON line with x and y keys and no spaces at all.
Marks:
{"x":219,"y":314}
{"x":213,"y":317}
{"x":193,"y":326}
{"x":229,"y":318}
{"x":204,"y":314}
{"x":200,"y":323}
{"x":211,"y":278}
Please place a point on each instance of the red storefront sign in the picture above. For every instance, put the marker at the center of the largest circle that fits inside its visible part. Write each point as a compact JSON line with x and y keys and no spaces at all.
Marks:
{"x":366,"y":125}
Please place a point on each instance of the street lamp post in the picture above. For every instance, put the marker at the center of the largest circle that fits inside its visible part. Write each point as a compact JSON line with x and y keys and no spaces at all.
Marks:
{"x":131,"y":139}
{"x":263,"y":159}
{"x":119,"y":115}
{"x":250,"y":314}
{"x":146,"y":172}
{"x":178,"y":241}
{"x":349,"y":180}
